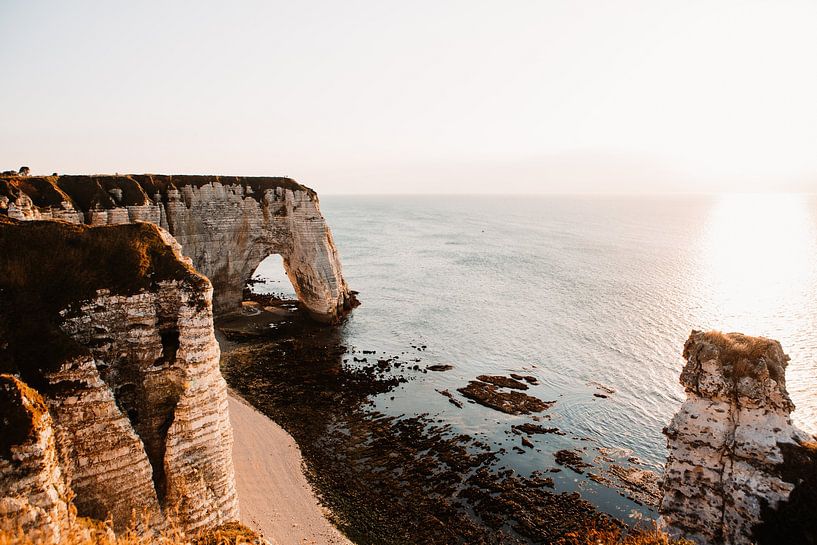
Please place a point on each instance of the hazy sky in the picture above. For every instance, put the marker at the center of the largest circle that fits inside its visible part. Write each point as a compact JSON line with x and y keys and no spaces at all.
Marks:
{"x":413,"y":96}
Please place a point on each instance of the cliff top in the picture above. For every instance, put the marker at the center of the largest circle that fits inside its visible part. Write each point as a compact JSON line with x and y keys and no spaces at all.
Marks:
{"x":743,"y":356}
{"x":105,"y":191}
{"x":732,"y":366}
{"x":51,"y":265}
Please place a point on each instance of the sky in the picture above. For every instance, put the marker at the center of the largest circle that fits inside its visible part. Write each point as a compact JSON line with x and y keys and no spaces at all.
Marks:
{"x":513,"y":96}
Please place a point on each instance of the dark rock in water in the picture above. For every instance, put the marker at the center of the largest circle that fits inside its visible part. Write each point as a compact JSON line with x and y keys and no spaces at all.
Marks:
{"x":599,"y":479}
{"x":602,"y":396}
{"x":538,"y":480}
{"x":451,"y":399}
{"x":609,"y":390}
{"x":533,"y":429}
{"x":440,"y":367}
{"x":490,"y":396}
{"x":526,"y":442}
{"x":503,"y":382}
{"x":530,"y":379}
{"x":571,"y":459}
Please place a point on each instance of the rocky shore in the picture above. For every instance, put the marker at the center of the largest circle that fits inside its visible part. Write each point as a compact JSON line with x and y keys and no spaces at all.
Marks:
{"x":415,"y":479}
{"x":404,"y":479}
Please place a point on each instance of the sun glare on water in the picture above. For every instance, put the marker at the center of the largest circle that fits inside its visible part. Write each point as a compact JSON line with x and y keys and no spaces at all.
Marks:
{"x":760,"y":277}
{"x":760,"y":255}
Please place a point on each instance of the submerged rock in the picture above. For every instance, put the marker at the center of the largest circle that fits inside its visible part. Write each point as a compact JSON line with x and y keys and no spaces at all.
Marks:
{"x":451,"y":399}
{"x":572,"y":459}
{"x":533,"y":429}
{"x":530,"y":379}
{"x":503,"y":382}
{"x":642,"y":485}
{"x":514,"y":402}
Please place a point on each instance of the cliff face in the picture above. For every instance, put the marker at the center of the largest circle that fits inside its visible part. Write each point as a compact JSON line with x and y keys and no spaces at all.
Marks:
{"x":226,"y":225}
{"x":729,"y":468}
{"x":33,"y":487}
{"x":113,"y":327}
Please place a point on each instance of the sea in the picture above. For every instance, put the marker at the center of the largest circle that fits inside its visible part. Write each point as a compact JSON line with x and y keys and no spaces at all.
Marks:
{"x":589,"y":294}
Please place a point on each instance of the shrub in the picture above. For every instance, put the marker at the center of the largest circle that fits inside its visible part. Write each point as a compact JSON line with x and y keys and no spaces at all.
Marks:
{"x":620,"y":536}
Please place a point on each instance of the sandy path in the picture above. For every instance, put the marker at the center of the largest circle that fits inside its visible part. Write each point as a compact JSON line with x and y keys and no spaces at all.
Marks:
{"x":274,"y":496}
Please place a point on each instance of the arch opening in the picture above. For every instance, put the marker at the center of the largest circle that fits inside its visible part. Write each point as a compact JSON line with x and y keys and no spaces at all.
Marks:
{"x":270,"y":285}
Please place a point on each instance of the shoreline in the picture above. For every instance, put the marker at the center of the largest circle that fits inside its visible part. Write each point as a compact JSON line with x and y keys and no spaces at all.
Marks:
{"x":399,"y":479}
{"x":274,"y":497}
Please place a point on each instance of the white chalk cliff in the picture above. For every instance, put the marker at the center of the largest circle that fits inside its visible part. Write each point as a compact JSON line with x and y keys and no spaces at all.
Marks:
{"x":226,"y":225}
{"x":33,"y":485}
{"x":114,"y":330}
{"x":729,"y":442}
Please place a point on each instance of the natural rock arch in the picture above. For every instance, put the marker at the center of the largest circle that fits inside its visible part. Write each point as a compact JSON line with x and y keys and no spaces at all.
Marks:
{"x":270,"y":278}
{"x":227,"y":225}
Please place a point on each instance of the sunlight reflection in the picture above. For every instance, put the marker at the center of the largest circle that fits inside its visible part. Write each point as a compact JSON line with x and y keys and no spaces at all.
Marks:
{"x":760,"y":278}
{"x":759,"y":257}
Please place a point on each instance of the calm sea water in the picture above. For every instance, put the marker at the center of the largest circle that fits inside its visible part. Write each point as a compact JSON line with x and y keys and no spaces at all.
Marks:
{"x":576,"y":291}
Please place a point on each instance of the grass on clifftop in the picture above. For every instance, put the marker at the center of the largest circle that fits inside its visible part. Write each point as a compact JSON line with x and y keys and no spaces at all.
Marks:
{"x":86,"y":532}
{"x":64,"y":262}
{"x":42,"y":190}
{"x":153,"y":183}
{"x":745,"y":356}
{"x":651,"y":536}
{"x":95,"y":192}
{"x":50,"y":265}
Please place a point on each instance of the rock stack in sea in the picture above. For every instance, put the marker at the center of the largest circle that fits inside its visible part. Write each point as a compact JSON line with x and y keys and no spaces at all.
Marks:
{"x":111,"y":381}
{"x":738,"y":471}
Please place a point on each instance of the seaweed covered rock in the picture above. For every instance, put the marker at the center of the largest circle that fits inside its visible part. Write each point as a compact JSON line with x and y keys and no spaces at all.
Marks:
{"x":113,"y":328}
{"x":727,"y":466}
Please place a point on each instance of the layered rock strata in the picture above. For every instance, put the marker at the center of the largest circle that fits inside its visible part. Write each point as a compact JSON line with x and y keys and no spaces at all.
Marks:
{"x":730,"y":467}
{"x":114,"y":329}
{"x":33,"y":487}
{"x":226,"y":225}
